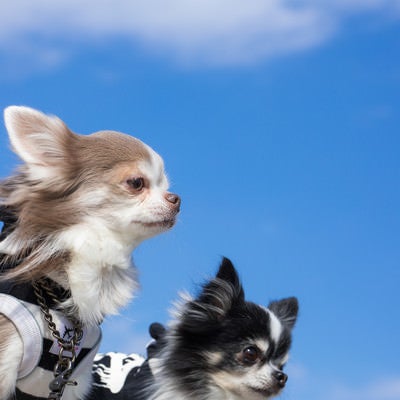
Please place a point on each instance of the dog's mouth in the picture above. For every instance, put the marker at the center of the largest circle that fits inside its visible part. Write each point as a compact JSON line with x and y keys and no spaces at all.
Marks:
{"x":266,"y":392}
{"x":164,"y":223}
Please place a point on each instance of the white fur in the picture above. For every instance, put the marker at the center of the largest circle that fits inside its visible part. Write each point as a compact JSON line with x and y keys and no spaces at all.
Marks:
{"x":12,"y":116}
{"x":276,"y":326}
{"x":12,"y":352}
{"x":238,"y":386}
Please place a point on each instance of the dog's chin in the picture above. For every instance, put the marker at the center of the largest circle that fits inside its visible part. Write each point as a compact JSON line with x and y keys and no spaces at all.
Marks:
{"x":267,"y":392}
{"x":158,"y":225}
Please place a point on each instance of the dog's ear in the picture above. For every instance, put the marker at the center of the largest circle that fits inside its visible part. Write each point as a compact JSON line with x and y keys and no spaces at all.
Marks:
{"x":215,"y":300}
{"x":228,"y":273}
{"x":224,"y":290}
{"x":286,"y":310}
{"x":39,"y":139}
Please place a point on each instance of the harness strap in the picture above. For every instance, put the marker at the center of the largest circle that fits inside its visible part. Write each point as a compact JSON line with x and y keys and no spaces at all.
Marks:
{"x":28,"y":329}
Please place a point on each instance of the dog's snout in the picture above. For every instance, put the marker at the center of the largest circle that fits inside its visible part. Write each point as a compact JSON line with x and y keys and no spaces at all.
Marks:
{"x":281,"y":377}
{"x":174,"y":199}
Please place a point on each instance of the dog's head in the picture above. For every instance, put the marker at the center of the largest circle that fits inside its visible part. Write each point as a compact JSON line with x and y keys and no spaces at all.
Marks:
{"x":107,"y":179}
{"x":221,"y":342}
{"x":106,"y":174}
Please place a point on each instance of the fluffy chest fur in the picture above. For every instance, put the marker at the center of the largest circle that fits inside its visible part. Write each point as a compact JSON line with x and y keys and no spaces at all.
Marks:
{"x":100,"y":274}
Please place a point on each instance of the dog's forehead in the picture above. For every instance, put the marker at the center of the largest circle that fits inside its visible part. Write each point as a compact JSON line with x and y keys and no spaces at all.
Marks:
{"x":153,"y":168}
{"x":275,"y":325}
{"x":114,"y":147}
{"x":114,"y":151}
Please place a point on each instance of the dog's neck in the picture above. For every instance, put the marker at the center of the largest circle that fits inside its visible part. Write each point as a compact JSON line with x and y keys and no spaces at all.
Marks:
{"x":99,"y":274}
{"x":98,"y":270}
{"x":172,"y":391}
{"x":167,"y":387}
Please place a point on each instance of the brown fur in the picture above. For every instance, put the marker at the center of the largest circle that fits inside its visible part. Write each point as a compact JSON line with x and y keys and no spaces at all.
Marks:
{"x":85,"y":158}
{"x":9,"y":370}
{"x":79,"y":206}
{"x":76,"y":165}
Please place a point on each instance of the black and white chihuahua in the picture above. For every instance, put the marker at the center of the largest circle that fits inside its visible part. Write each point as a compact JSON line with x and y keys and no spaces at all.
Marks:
{"x":219,"y":346}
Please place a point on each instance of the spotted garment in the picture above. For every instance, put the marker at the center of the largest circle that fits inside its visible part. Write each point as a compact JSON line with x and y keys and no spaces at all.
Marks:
{"x":118,"y":376}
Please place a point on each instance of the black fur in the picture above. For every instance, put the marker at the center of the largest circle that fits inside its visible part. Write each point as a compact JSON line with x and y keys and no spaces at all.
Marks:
{"x":208,"y":338}
{"x":220,"y":320}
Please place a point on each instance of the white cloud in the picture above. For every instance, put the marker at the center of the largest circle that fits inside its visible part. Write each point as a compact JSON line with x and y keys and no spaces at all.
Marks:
{"x":382,"y":389}
{"x":307,"y":383}
{"x":199,"y":32}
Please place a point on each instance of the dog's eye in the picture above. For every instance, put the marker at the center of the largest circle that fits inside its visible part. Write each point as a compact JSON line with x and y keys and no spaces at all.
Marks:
{"x":136,"y":183}
{"x":250,"y":355}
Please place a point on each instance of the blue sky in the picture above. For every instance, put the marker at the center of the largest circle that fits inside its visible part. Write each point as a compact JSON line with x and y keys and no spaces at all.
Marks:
{"x":279,"y":126}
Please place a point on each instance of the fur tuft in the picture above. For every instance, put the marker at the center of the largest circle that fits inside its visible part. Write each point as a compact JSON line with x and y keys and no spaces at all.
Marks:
{"x":286,"y":310}
{"x":216,"y":299}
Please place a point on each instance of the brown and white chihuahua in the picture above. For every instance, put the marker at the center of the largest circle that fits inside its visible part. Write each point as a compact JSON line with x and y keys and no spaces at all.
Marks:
{"x":81,"y":205}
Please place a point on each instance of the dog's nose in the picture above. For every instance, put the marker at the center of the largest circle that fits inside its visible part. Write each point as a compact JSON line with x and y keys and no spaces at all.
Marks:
{"x":174,"y":199}
{"x":281,"y":377}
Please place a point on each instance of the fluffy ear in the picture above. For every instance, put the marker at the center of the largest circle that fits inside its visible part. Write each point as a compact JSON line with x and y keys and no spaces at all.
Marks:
{"x":37,"y":138}
{"x":228,"y":273}
{"x":224,"y":290}
{"x":286,"y":310}
{"x":156,"y":330}
{"x":216,"y":299}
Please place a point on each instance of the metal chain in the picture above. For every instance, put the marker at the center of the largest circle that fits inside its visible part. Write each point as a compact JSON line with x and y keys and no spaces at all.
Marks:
{"x":65,"y":364}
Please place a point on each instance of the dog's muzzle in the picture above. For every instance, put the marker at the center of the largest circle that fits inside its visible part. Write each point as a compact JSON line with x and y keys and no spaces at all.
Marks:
{"x":174,"y":200}
{"x":280,"y":377}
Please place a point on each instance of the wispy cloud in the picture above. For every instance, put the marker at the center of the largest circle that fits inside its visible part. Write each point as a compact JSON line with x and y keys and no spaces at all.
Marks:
{"x":197,"y":32}
{"x":382,"y":389}
{"x":307,"y":383}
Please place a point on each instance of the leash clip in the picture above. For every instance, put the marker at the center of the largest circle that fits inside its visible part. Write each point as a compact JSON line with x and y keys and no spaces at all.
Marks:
{"x":57,"y":385}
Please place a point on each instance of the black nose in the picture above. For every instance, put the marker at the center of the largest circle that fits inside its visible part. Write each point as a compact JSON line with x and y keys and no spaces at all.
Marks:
{"x":174,"y":199}
{"x":281,"y":377}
